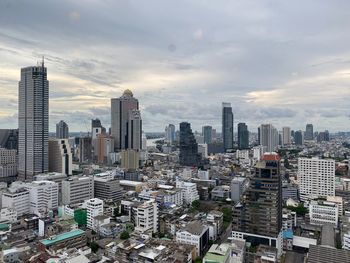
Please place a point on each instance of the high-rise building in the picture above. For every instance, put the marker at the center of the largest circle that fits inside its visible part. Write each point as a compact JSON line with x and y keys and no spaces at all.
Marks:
{"x":189,"y":155}
{"x":323,"y":136}
{"x":121,"y":109}
{"x":60,"y":156}
{"x":130,"y":159}
{"x":227,"y":125}
{"x":170,"y":133}
{"x":96,"y":128}
{"x":243,"y":136}
{"x":299,"y":137}
{"x":104,"y":145}
{"x":309,"y":132}
{"x":107,"y":188}
{"x":286,"y":136}
{"x":85,"y":150}
{"x":135,"y":130}
{"x":316,"y":178}
{"x":9,"y":138}
{"x":258,"y":218}
{"x":62,"y":130}
{"x":8,"y":164}
{"x":269,"y":137}
{"x":207,"y":134}
{"x":33,"y":122}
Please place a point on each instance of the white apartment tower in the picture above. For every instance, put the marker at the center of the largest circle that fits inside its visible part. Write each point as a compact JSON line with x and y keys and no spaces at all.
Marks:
{"x":269,"y":137}
{"x":286,"y":136}
{"x":190,"y":192}
{"x":316,"y":178}
{"x":33,"y":122}
{"x":94,"y":207}
{"x":77,"y":189}
{"x":146,"y":217}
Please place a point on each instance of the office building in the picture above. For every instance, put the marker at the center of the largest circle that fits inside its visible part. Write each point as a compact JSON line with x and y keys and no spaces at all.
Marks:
{"x":323,"y":136}
{"x":54,"y":177}
{"x":316,"y":178}
{"x":104,"y":145}
{"x":258,"y":218}
{"x":309,"y":132}
{"x":85,"y":150}
{"x":135,"y":130}
{"x":33,"y":122}
{"x":238,"y":186}
{"x":145,"y":217}
{"x":8,"y":164}
{"x":130,"y":159}
{"x":227,"y":125}
{"x":189,"y":155}
{"x":107,"y":188}
{"x":94,"y":208}
{"x":323,"y":212}
{"x":269,"y":137}
{"x":96,"y":128}
{"x":170,"y":133}
{"x":299,"y":137}
{"x":77,"y":189}
{"x":60,"y":156}
{"x":121,"y":109}
{"x":16,"y":198}
{"x":62,"y":130}
{"x":9,"y":139}
{"x":243,"y":136}
{"x":286,"y":136}
{"x":189,"y":190}
{"x":207,"y":134}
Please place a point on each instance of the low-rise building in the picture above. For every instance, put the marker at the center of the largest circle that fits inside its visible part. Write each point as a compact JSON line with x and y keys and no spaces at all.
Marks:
{"x":323,"y":212}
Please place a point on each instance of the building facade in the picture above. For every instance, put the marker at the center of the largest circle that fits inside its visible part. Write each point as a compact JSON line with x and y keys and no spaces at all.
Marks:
{"x":189,"y":155}
{"x":62,"y":130}
{"x":60,"y":156}
{"x":77,"y":189}
{"x":243,"y":136}
{"x":227,"y":125}
{"x":269,"y":137}
{"x":33,"y":122}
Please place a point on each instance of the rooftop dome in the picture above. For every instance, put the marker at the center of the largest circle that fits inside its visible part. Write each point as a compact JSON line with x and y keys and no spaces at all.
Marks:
{"x":128,"y":92}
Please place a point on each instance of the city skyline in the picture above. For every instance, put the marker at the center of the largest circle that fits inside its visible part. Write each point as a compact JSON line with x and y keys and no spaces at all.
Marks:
{"x":183,"y":68}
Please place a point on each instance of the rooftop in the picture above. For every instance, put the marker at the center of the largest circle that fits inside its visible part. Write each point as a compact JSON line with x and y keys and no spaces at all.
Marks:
{"x":54,"y":239}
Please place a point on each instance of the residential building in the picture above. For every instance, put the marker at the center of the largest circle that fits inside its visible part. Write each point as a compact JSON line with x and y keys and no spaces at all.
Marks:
{"x":8,"y":164}
{"x":62,"y":130}
{"x":104,"y":145}
{"x":145,"y":217}
{"x":33,"y":122}
{"x":190,"y":192}
{"x":170,"y":133}
{"x":195,"y":233}
{"x":243,"y":136}
{"x":60,"y":156}
{"x":121,"y":110}
{"x":130,"y":159}
{"x":323,"y":212}
{"x":94,"y":207}
{"x":227,"y":126}
{"x":316,"y":178}
{"x":189,"y":155}
{"x":77,"y":189}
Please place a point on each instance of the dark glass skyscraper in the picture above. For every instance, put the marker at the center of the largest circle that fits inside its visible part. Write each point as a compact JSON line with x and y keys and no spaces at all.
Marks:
{"x":189,"y":155}
{"x":243,"y":136}
{"x":207,"y":134}
{"x":309,"y":132}
{"x":227,"y":125}
{"x":33,"y":122}
{"x":298,"y":138}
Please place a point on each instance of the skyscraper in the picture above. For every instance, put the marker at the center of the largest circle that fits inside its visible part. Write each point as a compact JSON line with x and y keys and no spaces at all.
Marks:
{"x":33,"y":122}
{"x":269,"y":137}
{"x":189,"y":155}
{"x":299,"y":137}
{"x":286,"y":136}
{"x":243,"y":136}
{"x":121,"y":109}
{"x":258,"y":218}
{"x":170,"y":133}
{"x":227,"y":125}
{"x":135,"y":130}
{"x":309,"y":132}
{"x":62,"y":131}
{"x":207,"y":134}
{"x":60,"y":156}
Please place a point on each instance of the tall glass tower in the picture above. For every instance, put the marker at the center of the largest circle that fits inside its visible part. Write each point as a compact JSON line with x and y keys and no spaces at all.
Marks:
{"x":227,"y":125}
{"x":33,"y":122}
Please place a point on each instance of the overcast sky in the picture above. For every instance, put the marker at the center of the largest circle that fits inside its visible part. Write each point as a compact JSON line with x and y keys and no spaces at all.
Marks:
{"x":280,"y":62}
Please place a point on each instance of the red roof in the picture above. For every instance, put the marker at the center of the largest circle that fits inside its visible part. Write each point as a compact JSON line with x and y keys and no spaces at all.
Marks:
{"x":271,"y":157}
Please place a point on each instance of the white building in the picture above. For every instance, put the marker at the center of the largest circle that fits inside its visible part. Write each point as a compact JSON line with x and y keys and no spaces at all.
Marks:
{"x":258,"y":151}
{"x":316,"y":178}
{"x":171,"y":197}
{"x":17,"y":198}
{"x":203,"y":149}
{"x":203,"y":174}
{"x":195,"y":233}
{"x":170,"y":133}
{"x":146,"y":217}
{"x":77,"y":189}
{"x":43,"y":196}
{"x":8,"y":214}
{"x":323,"y":212}
{"x":60,"y":156}
{"x":189,"y":190}
{"x":238,"y":187}
{"x":269,"y":137}
{"x":242,"y":154}
{"x":8,"y":162}
{"x":339,"y":201}
{"x":286,"y":136}
{"x":94,"y":208}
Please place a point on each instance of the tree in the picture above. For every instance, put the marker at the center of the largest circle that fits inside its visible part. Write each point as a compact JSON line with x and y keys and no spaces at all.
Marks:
{"x":94,"y":247}
{"x":300,"y":209}
{"x":124,"y":235}
{"x":196,"y":204}
{"x":227,"y":214}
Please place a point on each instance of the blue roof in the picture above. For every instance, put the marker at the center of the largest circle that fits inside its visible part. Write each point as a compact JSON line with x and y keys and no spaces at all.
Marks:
{"x":61,"y":237}
{"x":288,"y":234}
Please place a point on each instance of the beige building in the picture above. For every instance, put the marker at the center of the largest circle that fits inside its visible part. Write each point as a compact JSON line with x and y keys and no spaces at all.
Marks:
{"x":60,"y":156}
{"x":130,"y":159}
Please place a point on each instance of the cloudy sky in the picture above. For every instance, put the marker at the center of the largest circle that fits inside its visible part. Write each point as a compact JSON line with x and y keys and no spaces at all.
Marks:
{"x":282,"y":62}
